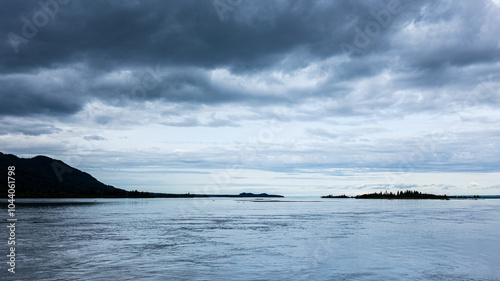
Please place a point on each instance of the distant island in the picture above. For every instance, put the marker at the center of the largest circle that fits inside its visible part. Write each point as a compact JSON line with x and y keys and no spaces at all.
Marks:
{"x":245,"y":194}
{"x":408,"y":194}
{"x":137,"y":194}
{"x":335,"y":196}
{"x":44,"y":177}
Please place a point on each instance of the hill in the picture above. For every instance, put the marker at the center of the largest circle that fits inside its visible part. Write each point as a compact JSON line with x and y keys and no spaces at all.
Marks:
{"x":44,"y":177}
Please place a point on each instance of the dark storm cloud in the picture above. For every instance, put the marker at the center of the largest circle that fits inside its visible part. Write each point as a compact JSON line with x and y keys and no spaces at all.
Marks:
{"x":38,"y":94}
{"x":180,"y":85}
{"x":256,"y":34}
{"x":86,"y":43}
{"x":109,"y":33}
{"x":466,"y":40}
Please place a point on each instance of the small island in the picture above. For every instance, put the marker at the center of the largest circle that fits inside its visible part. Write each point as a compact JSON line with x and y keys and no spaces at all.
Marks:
{"x":408,"y":194}
{"x":248,"y":194}
{"x":335,"y":196}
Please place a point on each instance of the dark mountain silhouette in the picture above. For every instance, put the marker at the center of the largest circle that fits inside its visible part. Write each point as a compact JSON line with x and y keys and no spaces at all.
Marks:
{"x":44,"y":177}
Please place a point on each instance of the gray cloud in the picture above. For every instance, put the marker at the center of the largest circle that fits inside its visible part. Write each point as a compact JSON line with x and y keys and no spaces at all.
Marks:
{"x":95,"y":137}
{"x":87,"y":45}
{"x":187,"y":122}
{"x":30,"y":129}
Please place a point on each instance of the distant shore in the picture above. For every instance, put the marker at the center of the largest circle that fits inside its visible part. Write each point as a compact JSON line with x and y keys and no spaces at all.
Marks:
{"x":411,"y":195}
{"x":141,"y":194}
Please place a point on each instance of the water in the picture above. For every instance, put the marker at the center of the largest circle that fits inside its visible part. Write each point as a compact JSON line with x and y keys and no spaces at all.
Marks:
{"x":229,"y":239}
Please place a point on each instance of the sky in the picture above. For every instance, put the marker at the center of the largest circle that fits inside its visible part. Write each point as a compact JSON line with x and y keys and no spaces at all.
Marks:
{"x":300,"y":98}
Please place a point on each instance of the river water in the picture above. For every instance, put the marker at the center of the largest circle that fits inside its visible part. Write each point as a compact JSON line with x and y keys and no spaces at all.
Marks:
{"x":231,"y":239}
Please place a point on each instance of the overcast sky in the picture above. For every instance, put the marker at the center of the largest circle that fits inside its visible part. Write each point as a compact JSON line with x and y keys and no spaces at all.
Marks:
{"x":287,"y":97}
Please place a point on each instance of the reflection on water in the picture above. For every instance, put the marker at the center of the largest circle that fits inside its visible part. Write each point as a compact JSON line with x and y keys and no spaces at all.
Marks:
{"x":228,"y":239}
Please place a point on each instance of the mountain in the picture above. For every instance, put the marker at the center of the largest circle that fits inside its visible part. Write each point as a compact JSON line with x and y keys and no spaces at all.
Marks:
{"x":44,"y":177}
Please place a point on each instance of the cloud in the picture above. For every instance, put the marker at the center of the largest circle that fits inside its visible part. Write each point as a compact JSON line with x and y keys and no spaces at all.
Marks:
{"x":49,"y":92}
{"x":187,"y":122}
{"x":95,"y":137}
{"x":284,"y":53}
{"x":31,"y":129}
{"x":323,"y":133}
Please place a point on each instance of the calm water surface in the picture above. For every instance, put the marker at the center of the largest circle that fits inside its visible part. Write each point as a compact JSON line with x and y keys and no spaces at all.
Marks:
{"x":230,"y":239}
